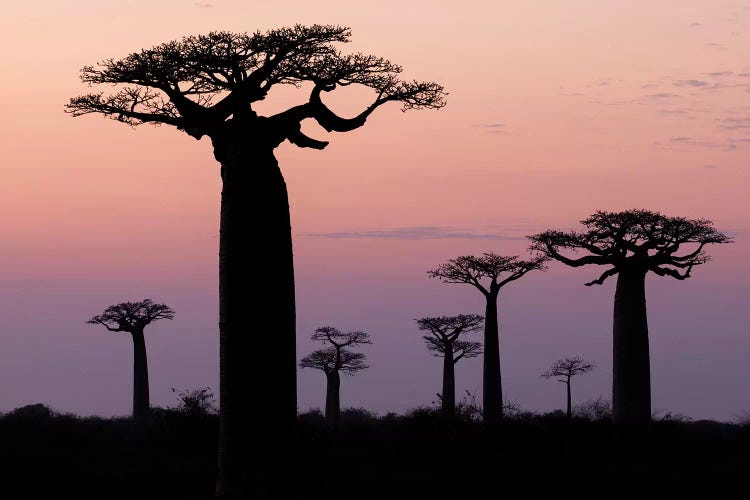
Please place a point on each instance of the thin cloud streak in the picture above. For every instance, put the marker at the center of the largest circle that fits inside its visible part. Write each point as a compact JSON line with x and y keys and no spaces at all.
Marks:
{"x":417,"y":233}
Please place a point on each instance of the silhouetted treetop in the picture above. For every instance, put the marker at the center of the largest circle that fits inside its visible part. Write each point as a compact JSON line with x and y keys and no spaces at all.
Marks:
{"x":332,"y":360}
{"x":132,"y":316}
{"x":499,"y":269}
{"x":568,"y":367}
{"x":338,"y":338}
{"x":444,"y":332}
{"x":641,"y":238}
{"x":200,"y":82}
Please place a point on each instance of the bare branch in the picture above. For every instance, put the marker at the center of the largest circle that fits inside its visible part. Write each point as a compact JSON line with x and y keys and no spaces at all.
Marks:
{"x":601,"y":279}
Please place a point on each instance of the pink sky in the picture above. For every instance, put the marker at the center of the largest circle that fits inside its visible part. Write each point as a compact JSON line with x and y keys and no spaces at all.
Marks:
{"x":554,"y":111}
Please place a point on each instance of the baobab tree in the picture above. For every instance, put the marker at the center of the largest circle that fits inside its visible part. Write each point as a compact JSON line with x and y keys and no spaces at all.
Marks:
{"x":333,"y":360}
{"x":443,"y":334}
{"x":488,"y":273}
{"x":567,"y":368}
{"x":133,"y":318}
{"x":631,"y":244}
{"x":206,"y":86}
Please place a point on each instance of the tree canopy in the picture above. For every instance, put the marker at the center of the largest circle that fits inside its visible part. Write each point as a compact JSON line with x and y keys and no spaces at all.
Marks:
{"x":498,"y":269}
{"x":199,"y":84}
{"x":331,"y":360}
{"x":132,"y":316}
{"x":337,"y":338}
{"x":641,"y":238}
{"x":568,"y":367}
{"x":444,"y":332}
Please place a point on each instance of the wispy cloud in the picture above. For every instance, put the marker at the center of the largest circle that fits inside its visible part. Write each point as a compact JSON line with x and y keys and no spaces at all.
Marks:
{"x":719,"y":74}
{"x":203,"y":5}
{"x":675,"y":143}
{"x":661,"y":95}
{"x":735,"y":123}
{"x":691,"y":83}
{"x":489,"y":125}
{"x":696,"y":24}
{"x":492,"y":128}
{"x":416,"y":233}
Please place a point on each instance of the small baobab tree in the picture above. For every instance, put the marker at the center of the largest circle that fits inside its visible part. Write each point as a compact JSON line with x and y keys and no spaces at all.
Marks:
{"x":443,"y":338}
{"x":333,"y":360}
{"x":566,"y":369}
{"x":133,"y":318}
{"x":488,"y":273}
{"x":632,"y":244}
{"x":207,"y":86}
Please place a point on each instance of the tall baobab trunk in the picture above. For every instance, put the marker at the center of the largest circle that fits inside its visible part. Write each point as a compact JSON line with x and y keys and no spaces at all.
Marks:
{"x":631,"y":376}
{"x":492,"y":389}
{"x":449,"y":384}
{"x":569,"y":413}
{"x":141,"y":404}
{"x":333,"y":401}
{"x":258,"y":397}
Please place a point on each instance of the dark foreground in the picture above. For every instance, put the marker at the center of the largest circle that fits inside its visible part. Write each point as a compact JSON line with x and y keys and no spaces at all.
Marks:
{"x":172,"y":456}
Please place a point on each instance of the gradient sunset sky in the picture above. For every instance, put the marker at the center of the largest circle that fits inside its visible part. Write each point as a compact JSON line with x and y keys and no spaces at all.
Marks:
{"x":556,"y":109}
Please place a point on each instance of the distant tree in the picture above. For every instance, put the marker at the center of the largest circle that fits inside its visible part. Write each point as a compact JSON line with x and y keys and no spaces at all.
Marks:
{"x":631,"y":244}
{"x":133,"y":318}
{"x":567,"y":368}
{"x":207,"y":85}
{"x":488,"y":273}
{"x":334,"y":360}
{"x":443,"y":338}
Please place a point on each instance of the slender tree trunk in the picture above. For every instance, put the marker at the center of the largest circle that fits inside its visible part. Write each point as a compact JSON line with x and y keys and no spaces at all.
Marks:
{"x":570,"y":409}
{"x":258,"y":398}
{"x":631,"y":377}
{"x":449,"y":384}
{"x":140,"y":375}
{"x":492,"y":389}
{"x":333,"y":402}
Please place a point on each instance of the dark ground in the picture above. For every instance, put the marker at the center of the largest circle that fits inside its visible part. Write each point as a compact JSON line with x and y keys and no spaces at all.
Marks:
{"x":172,"y":456}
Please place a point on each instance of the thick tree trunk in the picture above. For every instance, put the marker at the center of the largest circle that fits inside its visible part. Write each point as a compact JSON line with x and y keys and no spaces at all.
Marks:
{"x":492,"y":389}
{"x":569,"y":413}
{"x":258,"y":397}
{"x":333,"y":402}
{"x":141,"y":405}
{"x":631,"y":377}
{"x":449,"y":384}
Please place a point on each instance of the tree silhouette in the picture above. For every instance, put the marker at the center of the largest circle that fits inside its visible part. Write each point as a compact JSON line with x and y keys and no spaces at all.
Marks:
{"x":206,"y":86}
{"x":442,"y":337}
{"x":133,"y":318}
{"x":631,"y":244}
{"x":567,"y":368}
{"x":488,"y":273}
{"x":333,"y":361}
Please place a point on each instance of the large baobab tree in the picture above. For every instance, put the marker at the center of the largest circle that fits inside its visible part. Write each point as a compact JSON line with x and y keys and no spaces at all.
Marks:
{"x":207,"y":86}
{"x":631,"y":244}
{"x":133,"y":318}
{"x":443,"y":333}
{"x":488,"y":273}
{"x":333,"y":360}
{"x":567,"y":368}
